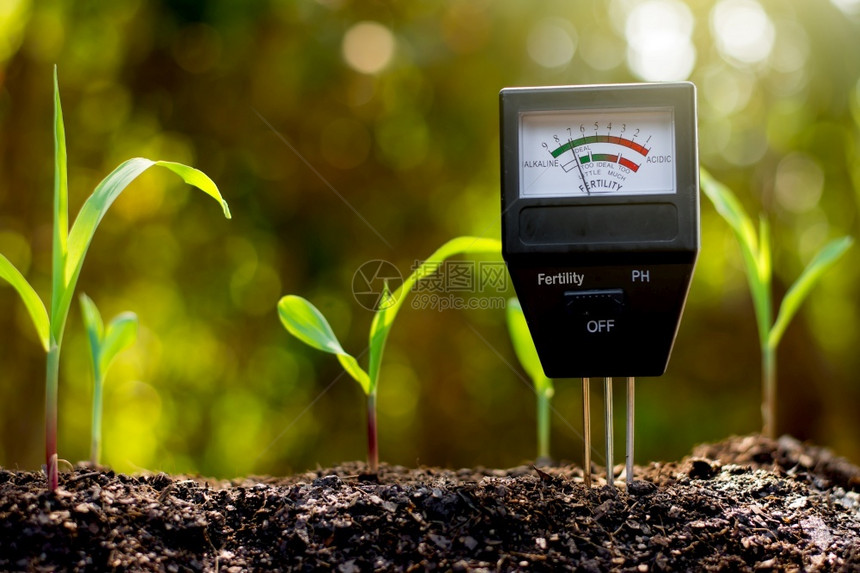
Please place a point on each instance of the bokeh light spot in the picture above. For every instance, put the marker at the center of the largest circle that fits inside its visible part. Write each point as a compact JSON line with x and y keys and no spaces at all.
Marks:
{"x":368,"y":47}
{"x":743,"y":31}
{"x":727,"y":90}
{"x":659,"y":40}
{"x":791,"y":47}
{"x":799,"y":183}
{"x":552,"y":43}
{"x":850,"y":7}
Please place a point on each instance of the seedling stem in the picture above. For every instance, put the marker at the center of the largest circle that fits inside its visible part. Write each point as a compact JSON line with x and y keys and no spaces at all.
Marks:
{"x":372,"y":441}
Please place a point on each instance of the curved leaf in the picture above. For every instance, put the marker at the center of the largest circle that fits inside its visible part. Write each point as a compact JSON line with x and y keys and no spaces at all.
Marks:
{"x":728,"y":206}
{"x":801,"y":288}
{"x":120,"y":333}
{"x":197,"y":178}
{"x":524,"y":347}
{"x":31,"y":299}
{"x":756,"y":254}
{"x":383,"y":319}
{"x":94,"y":210}
{"x":304,"y":321}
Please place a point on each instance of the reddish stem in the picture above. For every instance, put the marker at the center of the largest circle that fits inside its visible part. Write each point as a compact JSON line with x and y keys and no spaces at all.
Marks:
{"x":51,"y":453}
{"x":51,"y":387}
{"x":372,"y":446}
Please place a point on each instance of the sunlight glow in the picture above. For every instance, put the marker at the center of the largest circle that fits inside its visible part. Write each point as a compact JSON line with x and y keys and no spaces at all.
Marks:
{"x":659,"y":40}
{"x":368,"y":47}
{"x":850,"y":7}
{"x":742,"y":30}
{"x":799,"y":183}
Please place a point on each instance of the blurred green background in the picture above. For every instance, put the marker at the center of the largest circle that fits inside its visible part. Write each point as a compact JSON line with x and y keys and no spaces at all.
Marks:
{"x":342,"y":132}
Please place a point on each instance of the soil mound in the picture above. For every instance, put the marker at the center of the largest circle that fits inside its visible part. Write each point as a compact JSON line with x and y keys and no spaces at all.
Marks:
{"x":743,"y":504}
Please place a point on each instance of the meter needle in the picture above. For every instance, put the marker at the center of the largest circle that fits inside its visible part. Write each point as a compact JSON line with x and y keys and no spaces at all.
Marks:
{"x":579,"y":167}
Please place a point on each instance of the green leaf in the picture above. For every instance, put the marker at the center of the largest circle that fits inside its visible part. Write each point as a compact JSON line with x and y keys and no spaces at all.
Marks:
{"x":378,"y":337}
{"x":756,"y":256}
{"x":61,"y":203}
{"x":383,"y":319}
{"x":524,"y":347}
{"x":94,"y":210}
{"x":120,"y":334}
{"x":728,"y":206}
{"x":304,"y":321}
{"x":34,"y":304}
{"x":764,"y":253}
{"x":801,"y":288}
{"x":760,"y":283}
{"x":197,"y":178}
{"x":94,"y":326}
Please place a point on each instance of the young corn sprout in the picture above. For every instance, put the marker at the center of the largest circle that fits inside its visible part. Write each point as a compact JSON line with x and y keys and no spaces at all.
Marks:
{"x":757,"y":263}
{"x":105,"y":344}
{"x":68,"y":252}
{"x":304,"y":321}
{"x":524,"y":347}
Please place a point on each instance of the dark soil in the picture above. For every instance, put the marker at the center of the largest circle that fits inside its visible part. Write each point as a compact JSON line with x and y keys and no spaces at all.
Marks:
{"x":743,"y":504}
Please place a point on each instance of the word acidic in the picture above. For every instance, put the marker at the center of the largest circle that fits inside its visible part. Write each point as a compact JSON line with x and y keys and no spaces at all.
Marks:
{"x":562,"y":278}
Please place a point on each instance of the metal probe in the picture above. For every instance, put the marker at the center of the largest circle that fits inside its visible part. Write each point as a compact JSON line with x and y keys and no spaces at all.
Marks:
{"x":631,"y":381}
{"x":586,"y":430}
{"x":607,"y":426}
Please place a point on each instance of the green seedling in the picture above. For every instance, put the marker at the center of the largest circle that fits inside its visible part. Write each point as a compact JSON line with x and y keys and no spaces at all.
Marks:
{"x":304,"y":321}
{"x":524,"y":347}
{"x":105,"y":344}
{"x":756,"y":252}
{"x":68,"y":252}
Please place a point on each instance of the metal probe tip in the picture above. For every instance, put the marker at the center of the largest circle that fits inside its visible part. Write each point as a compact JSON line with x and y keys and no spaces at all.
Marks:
{"x":607,"y":426}
{"x":586,"y":431}
{"x":631,"y":381}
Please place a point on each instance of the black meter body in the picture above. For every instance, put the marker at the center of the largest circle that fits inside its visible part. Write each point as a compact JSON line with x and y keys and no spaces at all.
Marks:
{"x":600,"y":221}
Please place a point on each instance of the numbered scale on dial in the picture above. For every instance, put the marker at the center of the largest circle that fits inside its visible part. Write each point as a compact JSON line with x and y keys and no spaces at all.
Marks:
{"x":620,"y":153}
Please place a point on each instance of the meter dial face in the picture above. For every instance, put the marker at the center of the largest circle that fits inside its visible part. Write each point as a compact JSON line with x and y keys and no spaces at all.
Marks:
{"x":597,"y":153}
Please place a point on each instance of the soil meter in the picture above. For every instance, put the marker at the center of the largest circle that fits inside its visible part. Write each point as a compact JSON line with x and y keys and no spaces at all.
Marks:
{"x":600,"y":222}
